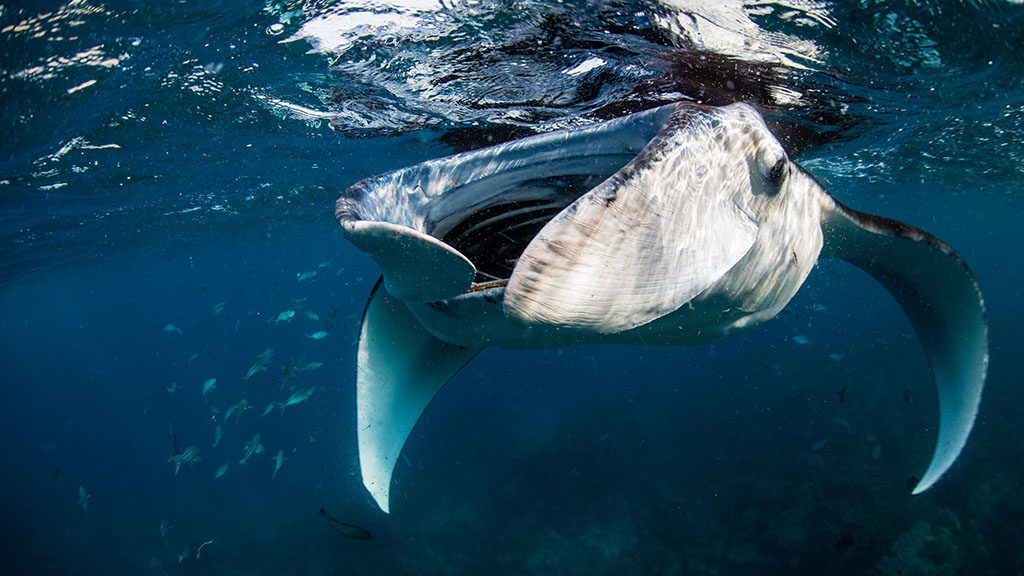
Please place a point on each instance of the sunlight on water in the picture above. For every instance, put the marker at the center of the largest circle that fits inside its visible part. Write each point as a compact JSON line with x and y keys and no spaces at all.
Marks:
{"x":730,"y":28}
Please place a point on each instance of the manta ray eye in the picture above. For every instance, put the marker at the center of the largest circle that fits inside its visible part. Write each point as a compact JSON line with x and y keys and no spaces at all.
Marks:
{"x":778,"y":172}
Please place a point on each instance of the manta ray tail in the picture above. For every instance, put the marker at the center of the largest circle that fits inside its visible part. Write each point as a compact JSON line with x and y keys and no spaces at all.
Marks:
{"x":940,"y":296}
{"x":400,"y":368}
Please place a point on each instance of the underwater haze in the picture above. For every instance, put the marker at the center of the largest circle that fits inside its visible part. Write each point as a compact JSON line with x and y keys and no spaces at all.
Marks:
{"x":179,"y":311}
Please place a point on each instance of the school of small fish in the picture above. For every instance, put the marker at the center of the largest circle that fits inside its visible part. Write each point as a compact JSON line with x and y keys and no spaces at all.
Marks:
{"x":291,"y":386}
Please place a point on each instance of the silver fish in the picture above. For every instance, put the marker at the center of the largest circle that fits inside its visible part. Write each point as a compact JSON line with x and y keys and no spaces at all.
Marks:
{"x":236,"y":410}
{"x":200,"y":549}
{"x":278,"y":461}
{"x":252,"y":448}
{"x":261,"y":364}
{"x":165,"y":529}
{"x":222,"y":470}
{"x":83,"y":498}
{"x":189,"y":456}
{"x":298,"y":397}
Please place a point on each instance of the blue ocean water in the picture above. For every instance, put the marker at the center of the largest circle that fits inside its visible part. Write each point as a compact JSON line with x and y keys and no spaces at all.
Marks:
{"x":167,"y":183}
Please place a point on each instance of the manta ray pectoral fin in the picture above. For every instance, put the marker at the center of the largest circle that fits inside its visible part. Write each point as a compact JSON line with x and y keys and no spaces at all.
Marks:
{"x":400,"y":367}
{"x":417,"y":267}
{"x":940,"y":296}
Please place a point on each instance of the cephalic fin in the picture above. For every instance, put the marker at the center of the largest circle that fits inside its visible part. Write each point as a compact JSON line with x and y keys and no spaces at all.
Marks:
{"x":400,"y":368}
{"x":417,"y":267}
{"x":938,"y":293}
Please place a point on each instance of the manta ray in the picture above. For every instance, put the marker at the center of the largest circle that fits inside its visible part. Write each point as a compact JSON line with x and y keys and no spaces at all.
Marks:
{"x":677,"y":225}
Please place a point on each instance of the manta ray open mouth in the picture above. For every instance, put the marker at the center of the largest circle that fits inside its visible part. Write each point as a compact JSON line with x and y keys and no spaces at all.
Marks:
{"x":489,"y":204}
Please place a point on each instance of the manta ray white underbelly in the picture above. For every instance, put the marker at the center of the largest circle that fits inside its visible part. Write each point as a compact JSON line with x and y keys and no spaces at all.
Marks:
{"x":676,"y":225}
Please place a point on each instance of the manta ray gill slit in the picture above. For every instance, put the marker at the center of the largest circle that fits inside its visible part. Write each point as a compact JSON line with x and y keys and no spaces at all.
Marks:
{"x":494,"y":235}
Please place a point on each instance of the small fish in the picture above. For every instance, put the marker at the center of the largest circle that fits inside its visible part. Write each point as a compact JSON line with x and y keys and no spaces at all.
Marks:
{"x":842,"y":394}
{"x":190,"y":456}
{"x":819,"y":445}
{"x":165,"y":529}
{"x":218,"y":433}
{"x":310,"y":366}
{"x":311,"y":315}
{"x":801,"y":340}
{"x":222,"y":470}
{"x":298,"y":397}
{"x":269,"y":409}
{"x":184,"y":554}
{"x":209,"y":386}
{"x":324,"y":264}
{"x":876,"y":452}
{"x":200,"y":549}
{"x":261,"y":364}
{"x":278,"y":461}
{"x":219,"y":307}
{"x":286,"y":373}
{"x":237,"y":410}
{"x":347,"y":530}
{"x":320,"y":335}
{"x":83,"y":498}
{"x":173,"y":388}
{"x":252,"y":448}
{"x":285,"y":316}
{"x":171,"y":328}
{"x":835,"y":357}
{"x":306,"y":275}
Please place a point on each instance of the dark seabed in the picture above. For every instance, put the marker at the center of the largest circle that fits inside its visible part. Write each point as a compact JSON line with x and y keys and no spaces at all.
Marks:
{"x":168,"y":174}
